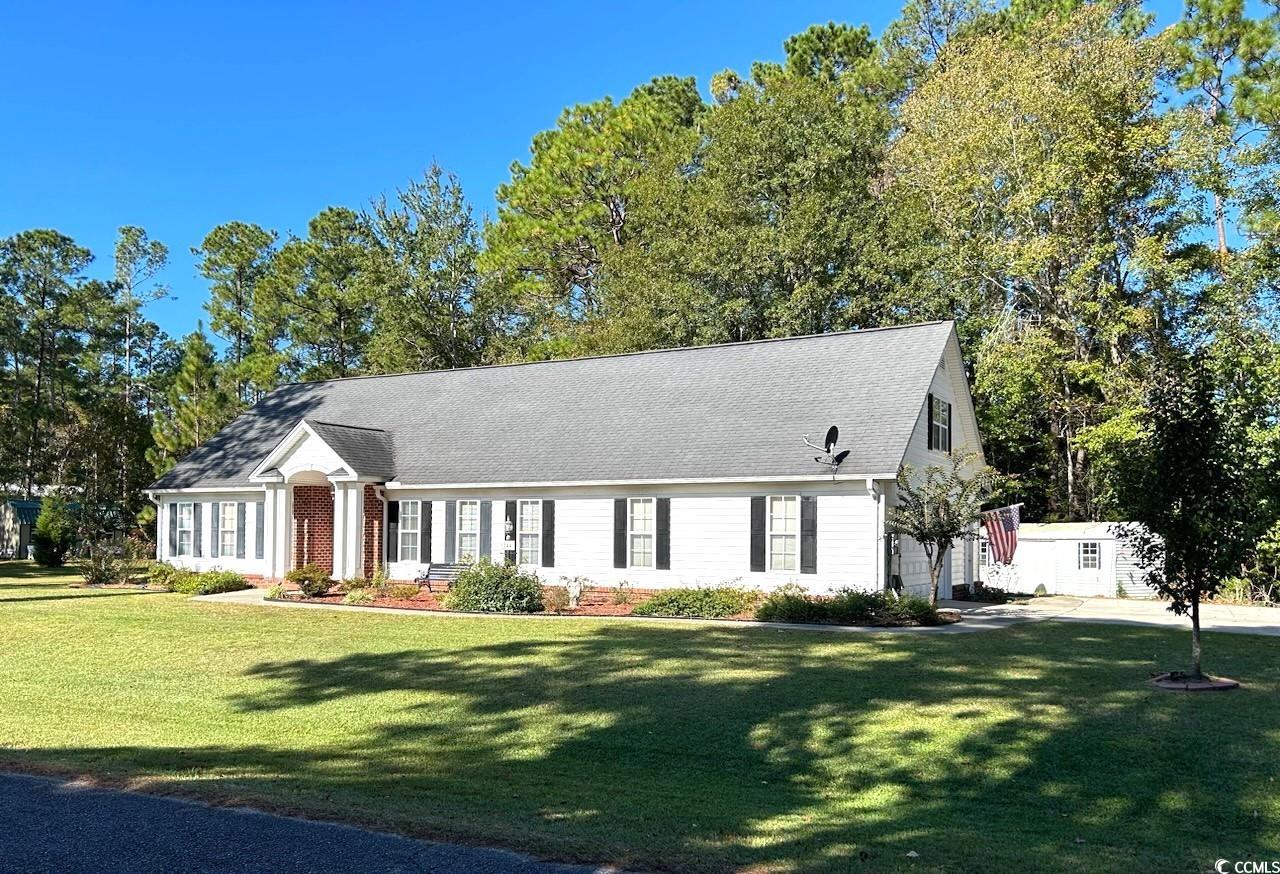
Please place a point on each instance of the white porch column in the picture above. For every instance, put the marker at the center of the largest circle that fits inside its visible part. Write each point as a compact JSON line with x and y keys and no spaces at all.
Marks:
{"x":348,"y":523}
{"x":276,"y":529}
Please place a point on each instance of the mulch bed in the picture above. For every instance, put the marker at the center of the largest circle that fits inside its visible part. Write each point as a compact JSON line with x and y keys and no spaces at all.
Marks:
{"x":425,"y":600}
{"x":1177,"y":681}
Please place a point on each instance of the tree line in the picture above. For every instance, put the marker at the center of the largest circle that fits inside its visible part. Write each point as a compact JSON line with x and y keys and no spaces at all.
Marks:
{"x":1089,"y":196}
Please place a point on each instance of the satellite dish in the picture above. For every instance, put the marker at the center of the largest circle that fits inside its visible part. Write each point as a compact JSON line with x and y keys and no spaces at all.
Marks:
{"x":830,"y":458}
{"x":840,"y":456}
{"x":833,"y":434}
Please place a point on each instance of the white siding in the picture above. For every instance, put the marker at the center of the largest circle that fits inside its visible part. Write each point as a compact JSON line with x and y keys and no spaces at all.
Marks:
{"x":710,"y":535}
{"x":1049,"y":556}
{"x":948,"y":383}
{"x":207,"y":560}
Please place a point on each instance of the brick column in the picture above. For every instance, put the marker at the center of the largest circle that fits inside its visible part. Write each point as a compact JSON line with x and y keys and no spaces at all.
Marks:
{"x":313,"y":526}
{"x":374,"y":531}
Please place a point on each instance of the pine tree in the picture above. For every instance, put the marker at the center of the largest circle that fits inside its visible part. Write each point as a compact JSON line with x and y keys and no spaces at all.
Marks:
{"x":198,"y":405}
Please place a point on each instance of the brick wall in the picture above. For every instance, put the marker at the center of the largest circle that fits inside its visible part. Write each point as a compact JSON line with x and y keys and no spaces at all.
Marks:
{"x":373,"y":531}
{"x":313,"y":526}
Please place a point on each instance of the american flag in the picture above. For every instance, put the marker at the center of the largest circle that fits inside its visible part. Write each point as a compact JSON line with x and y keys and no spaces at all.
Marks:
{"x":1002,"y":532}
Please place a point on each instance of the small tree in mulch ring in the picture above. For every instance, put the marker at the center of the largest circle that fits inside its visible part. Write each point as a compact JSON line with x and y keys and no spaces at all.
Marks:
{"x":1188,"y":487}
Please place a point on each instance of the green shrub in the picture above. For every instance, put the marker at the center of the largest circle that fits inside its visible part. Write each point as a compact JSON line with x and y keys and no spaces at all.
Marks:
{"x":403,"y":591}
{"x":359,"y":596}
{"x":277,"y":592}
{"x":714,"y":602}
{"x":54,"y":532}
{"x":847,"y":607}
{"x":311,"y":578}
{"x":351,"y":584}
{"x":208,"y":583}
{"x":1040,"y":591}
{"x":104,"y":564}
{"x":908,"y":610}
{"x":622,"y":594}
{"x":555,"y":599}
{"x":485,"y":587}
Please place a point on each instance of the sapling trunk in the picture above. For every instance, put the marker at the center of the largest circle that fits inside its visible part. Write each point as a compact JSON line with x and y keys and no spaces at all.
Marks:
{"x":1195,"y":637}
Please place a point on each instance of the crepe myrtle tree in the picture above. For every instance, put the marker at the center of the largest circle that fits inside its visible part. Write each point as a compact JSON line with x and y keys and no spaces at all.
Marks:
{"x":1189,"y":488}
{"x":942,"y":504}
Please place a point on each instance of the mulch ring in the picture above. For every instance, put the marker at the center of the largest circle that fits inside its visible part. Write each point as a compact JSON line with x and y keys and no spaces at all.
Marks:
{"x":1177,"y":681}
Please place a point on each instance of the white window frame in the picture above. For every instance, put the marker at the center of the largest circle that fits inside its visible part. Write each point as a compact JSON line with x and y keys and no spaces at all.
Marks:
{"x":984,"y":553}
{"x":189,"y":529}
{"x":223,"y":529}
{"x":793,"y":535}
{"x":1089,"y":562}
{"x":534,"y":534}
{"x":939,"y":427}
{"x":475,"y":553}
{"x":651,"y":535}
{"x":410,"y":544}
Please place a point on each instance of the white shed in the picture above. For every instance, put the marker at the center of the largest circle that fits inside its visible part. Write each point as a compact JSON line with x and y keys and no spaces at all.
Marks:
{"x":1067,"y":558}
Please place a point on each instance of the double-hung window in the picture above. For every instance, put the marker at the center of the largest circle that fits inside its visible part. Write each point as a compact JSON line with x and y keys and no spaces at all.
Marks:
{"x":1090,"y":555}
{"x":983,"y":553}
{"x":410,"y":529}
{"x":468,"y":530}
{"x":784,"y":532}
{"x":940,"y":424}
{"x":227,"y":525}
{"x":529,"y":523}
{"x":186,"y":529}
{"x":640,"y":532}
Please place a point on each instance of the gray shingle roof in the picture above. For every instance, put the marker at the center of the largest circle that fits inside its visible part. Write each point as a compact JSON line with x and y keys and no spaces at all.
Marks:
{"x":367,"y":450}
{"x":733,"y":411}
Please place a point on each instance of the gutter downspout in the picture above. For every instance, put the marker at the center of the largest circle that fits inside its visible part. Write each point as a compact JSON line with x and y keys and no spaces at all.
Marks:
{"x":877,"y":533}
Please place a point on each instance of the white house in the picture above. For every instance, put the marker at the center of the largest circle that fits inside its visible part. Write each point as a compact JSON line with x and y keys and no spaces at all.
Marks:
{"x":664,"y":468}
{"x":1067,"y":558}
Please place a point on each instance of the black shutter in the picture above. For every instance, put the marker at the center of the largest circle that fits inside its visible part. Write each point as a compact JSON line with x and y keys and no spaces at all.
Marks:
{"x":757,"y":532}
{"x":197,"y":548}
{"x":424,"y":532}
{"x":215,"y":521}
{"x":808,"y":535}
{"x":486,"y":529}
{"x":950,"y":426}
{"x":928,"y":420}
{"x":259,"y":529}
{"x":240,"y":529}
{"x":619,"y":532}
{"x":450,"y":532}
{"x":173,"y":530}
{"x":548,"y":533}
{"x":393,"y":531}
{"x":663,"y":518}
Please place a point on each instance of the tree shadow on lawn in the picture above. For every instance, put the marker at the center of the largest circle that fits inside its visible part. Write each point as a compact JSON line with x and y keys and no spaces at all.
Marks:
{"x":1038,"y":747}
{"x":79,"y":594}
{"x":29,"y":571}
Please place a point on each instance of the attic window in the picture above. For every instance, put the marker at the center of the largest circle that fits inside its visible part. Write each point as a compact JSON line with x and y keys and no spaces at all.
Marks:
{"x":940,"y":424}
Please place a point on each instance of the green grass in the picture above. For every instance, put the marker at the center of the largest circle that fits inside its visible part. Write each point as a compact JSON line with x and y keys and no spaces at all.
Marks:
{"x":1037,"y":747}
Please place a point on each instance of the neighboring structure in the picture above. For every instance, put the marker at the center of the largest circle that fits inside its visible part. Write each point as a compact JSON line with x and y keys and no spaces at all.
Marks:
{"x":665,"y":468}
{"x":17,"y":519}
{"x":1067,"y":558}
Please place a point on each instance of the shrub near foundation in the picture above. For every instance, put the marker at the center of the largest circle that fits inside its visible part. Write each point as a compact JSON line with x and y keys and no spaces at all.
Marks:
{"x":715,"y":602}
{"x":847,"y":607}
{"x":485,"y":587}
{"x":312,"y":579}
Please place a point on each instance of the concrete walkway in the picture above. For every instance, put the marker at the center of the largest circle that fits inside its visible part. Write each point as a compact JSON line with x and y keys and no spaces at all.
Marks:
{"x":1230,"y":618}
{"x":52,"y":825}
{"x":977,"y":616}
{"x":973,"y":622}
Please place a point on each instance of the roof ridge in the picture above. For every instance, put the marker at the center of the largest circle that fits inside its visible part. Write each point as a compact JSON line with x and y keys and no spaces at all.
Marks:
{"x":664,"y":349}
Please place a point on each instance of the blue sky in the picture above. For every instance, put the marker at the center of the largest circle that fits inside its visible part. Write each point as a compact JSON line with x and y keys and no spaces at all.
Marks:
{"x":180,"y":116}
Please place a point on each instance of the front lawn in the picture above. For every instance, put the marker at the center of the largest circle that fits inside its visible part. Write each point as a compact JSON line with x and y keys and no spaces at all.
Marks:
{"x":657,"y":745}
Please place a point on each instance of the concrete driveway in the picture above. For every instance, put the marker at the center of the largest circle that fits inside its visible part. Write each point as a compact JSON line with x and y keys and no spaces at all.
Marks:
{"x":50,"y":825}
{"x":1124,"y":611}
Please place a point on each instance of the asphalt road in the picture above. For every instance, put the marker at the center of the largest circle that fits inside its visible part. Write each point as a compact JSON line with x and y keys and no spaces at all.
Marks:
{"x":48,"y":825}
